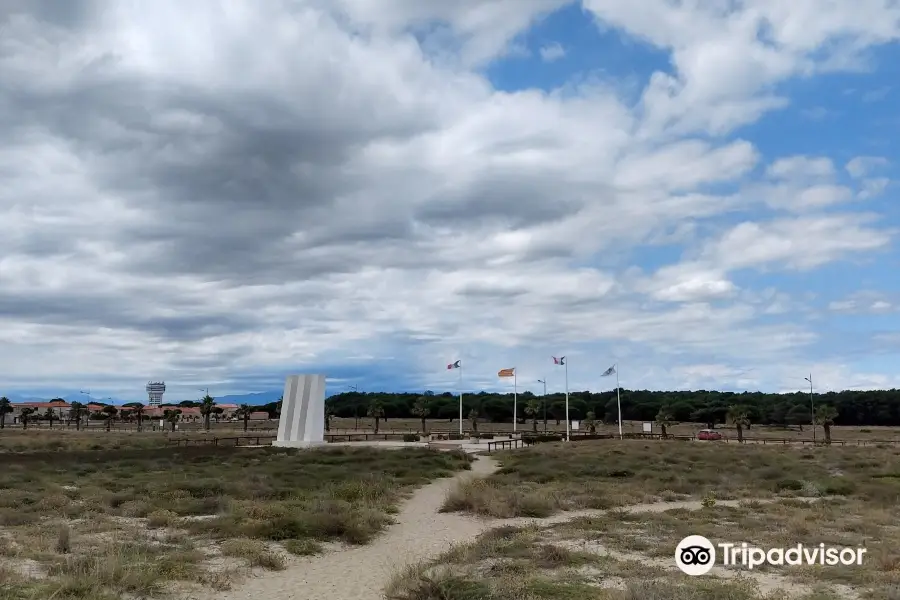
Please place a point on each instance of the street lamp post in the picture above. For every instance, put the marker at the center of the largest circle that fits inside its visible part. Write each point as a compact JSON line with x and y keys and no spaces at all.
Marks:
{"x":812,"y":407}
{"x":544,"y":402}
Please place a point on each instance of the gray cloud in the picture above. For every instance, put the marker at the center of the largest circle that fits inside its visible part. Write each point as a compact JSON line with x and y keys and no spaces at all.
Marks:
{"x":277,"y":186}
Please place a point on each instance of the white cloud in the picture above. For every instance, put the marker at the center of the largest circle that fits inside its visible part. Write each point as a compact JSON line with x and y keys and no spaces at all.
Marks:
{"x":801,"y":167}
{"x":552,"y":52}
{"x":863,"y":165}
{"x":187,"y":202}
{"x":865,"y":302}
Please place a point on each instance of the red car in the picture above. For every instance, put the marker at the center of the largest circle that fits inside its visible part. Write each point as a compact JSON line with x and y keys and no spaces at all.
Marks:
{"x":709,"y":434}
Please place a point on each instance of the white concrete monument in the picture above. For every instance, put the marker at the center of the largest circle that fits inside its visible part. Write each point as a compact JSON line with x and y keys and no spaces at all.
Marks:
{"x":302,"y":422}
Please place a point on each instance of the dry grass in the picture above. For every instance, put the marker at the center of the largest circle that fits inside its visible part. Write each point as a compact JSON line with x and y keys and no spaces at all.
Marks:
{"x":846,"y":497}
{"x":107,"y":524}
{"x":367,"y":425}
{"x":519,"y":564}
{"x":548,"y":478}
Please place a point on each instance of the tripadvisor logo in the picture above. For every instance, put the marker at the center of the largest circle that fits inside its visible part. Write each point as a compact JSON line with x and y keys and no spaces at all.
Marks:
{"x":696,"y":555}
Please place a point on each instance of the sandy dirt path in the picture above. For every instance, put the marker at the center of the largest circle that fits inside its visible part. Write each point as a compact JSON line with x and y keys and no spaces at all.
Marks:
{"x":361,"y":573}
{"x":420,"y":534}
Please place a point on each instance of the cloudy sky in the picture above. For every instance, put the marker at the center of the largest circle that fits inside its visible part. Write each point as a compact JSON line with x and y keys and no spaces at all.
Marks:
{"x":217,"y":193}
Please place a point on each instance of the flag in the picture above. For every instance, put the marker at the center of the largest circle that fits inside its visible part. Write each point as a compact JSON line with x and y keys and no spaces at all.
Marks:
{"x":559,"y":361}
{"x":506,"y":372}
{"x":453,"y":365}
{"x":609,"y":371}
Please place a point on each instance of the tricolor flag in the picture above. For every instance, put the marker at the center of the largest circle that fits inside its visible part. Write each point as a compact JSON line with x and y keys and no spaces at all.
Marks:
{"x":454,"y":365}
{"x":507,"y":372}
{"x":559,"y":361}
{"x":609,"y":371}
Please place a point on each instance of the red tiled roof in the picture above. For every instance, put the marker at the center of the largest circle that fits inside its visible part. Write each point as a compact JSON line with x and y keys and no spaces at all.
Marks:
{"x":41,"y":405}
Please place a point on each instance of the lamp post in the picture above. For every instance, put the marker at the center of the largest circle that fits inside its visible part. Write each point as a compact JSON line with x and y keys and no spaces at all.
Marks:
{"x":812,"y":407}
{"x":544,"y":402}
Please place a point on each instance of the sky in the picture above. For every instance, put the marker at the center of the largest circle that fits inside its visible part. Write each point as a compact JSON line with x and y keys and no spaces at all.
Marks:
{"x":220,"y":193}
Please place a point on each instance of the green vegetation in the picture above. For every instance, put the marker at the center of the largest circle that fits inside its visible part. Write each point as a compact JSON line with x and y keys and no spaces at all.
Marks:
{"x":624,"y":548}
{"x":709,"y":407}
{"x":107,"y":523}
{"x":553,"y":477}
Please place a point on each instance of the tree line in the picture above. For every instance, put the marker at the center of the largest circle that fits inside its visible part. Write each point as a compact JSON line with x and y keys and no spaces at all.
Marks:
{"x":851,"y":407}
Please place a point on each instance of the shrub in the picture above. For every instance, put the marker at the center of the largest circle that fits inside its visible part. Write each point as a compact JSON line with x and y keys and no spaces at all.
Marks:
{"x":254,"y":552}
{"x":64,"y":540}
{"x":302,"y":547}
{"x":161,"y":518}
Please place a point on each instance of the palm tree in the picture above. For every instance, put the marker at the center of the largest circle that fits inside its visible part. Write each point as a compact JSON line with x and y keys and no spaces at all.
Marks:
{"x":532,"y":409}
{"x":473,"y":417}
{"x":172,"y":416}
{"x":664,"y":419}
{"x":137,"y":409}
{"x":243,"y":412}
{"x":422,"y":410}
{"x":77,"y":411}
{"x":5,"y":409}
{"x":376,"y":411}
{"x":590,"y":420}
{"x":207,"y":406}
{"x":825,"y":416}
{"x":49,"y":415}
{"x":738,"y":416}
{"x":109,"y":413}
{"x":24,"y":414}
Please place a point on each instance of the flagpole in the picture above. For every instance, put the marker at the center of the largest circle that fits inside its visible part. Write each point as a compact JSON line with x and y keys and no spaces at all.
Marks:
{"x":515,"y":396}
{"x":618,"y":400}
{"x":568,"y":422}
{"x":460,"y":401}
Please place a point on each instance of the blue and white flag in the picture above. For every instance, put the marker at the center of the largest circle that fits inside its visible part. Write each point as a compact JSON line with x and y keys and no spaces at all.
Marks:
{"x":609,"y":371}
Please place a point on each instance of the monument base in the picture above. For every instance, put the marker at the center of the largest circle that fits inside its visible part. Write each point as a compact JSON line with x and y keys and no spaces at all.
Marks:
{"x":297,"y":444}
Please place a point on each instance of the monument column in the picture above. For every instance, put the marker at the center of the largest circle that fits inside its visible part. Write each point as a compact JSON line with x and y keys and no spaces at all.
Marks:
{"x":302,"y":422}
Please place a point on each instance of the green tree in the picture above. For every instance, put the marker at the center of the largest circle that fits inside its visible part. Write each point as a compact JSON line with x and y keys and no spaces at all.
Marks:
{"x":207,"y":405}
{"x":137,"y":411}
{"x":172,"y":415}
{"x":49,"y":415}
{"x":244,"y":412}
{"x":109,"y":413}
{"x":739,"y":417}
{"x":376,"y":411}
{"x":5,"y":409}
{"x":664,"y":419}
{"x":533,"y":409}
{"x":825,"y":416}
{"x":77,"y":412}
{"x":217,"y":413}
{"x":421,"y":409}
{"x":24,"y":414}
{"x":798,"y":415}
{"x":590,"y":420}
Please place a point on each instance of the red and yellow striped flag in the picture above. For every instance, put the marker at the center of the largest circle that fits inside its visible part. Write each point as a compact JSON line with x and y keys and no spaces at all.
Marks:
{"x":506,"y":372}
